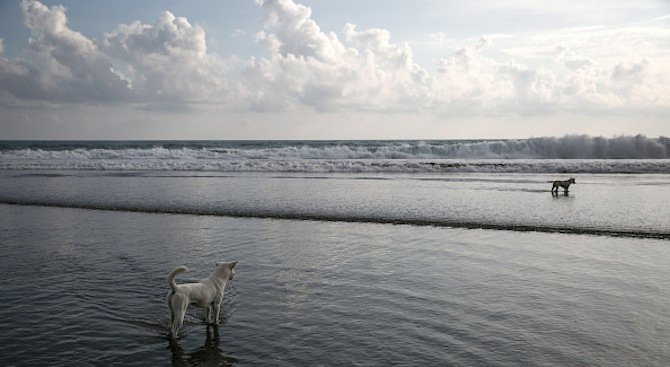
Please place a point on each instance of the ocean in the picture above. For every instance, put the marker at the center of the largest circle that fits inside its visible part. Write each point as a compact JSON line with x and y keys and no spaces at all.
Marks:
{"x":368,"y":253}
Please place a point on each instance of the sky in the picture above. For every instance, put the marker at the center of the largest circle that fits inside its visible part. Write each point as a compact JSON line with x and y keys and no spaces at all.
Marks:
{"x":347,"y":69}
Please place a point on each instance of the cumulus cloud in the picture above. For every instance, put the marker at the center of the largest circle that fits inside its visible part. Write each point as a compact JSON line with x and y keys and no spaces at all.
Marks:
{"x":661,"y":18}
{"x":630,"y":69}
{"x":295,"y":33}
{"x":136,"y":63}
{"x":573,"y":61}
{"x":167,"y":60}
{"x":470,"y":80}
{"x":308,"y":68}
{"x":318,"y":70}
{"x":365,"y":69}
{"x":70,"y":66}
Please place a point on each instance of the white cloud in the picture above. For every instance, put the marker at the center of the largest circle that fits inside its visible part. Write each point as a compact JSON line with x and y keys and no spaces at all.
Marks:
{"x":316,"y":69}
{"x":167,"y":60}
{"x":576,"y":62}
{"x":569,"y":83}
{"x":136,"y":63}
{"x":296,"y":33}
{"x":630,"y":69}
{"x":661,"y":18}
{"x":70,"y":66}
{"x":606,"y":44}
{"x":587,"y":70}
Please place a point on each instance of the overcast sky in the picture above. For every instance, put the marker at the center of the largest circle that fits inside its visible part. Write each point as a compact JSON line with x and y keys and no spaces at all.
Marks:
{"x":347,"y":69}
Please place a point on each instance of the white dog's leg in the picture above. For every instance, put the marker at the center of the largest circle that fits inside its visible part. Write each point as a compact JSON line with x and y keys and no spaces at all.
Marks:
{"x":217,"y":310}
{"x":210,"y":313}
{"x":178,"y":307}
{"x":177,"y":323}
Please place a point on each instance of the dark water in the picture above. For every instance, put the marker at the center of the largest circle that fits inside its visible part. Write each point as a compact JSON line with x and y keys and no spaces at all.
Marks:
{"x":87,"y":287}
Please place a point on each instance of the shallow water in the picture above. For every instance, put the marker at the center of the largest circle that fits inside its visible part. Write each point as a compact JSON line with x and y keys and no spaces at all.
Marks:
{"x":88,"y":287}
{"x":620,"y":205}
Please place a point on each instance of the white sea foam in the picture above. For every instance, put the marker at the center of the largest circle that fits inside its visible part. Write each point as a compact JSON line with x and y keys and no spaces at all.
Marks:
{"x":345,"y":165}
{"x":632,"y":154}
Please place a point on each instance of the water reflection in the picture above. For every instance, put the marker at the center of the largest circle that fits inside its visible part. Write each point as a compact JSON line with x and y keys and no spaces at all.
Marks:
{"x":210,"y":354}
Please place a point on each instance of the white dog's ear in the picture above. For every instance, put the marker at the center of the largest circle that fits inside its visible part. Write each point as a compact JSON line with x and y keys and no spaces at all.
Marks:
{"x":234,"y":263}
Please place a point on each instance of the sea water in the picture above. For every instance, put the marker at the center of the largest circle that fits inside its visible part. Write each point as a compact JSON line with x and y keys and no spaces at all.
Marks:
{"x":351,"y":253}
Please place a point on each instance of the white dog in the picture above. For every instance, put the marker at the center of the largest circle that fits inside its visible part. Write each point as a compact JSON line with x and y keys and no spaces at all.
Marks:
{"x":208,"y":293}
{"x":564,"y":184}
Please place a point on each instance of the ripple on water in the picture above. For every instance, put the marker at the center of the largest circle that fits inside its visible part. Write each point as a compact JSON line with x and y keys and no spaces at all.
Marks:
{"x":310,"y":293}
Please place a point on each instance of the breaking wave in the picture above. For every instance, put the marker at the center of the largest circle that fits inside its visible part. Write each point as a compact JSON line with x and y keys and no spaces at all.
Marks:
{"x":579,"y":153}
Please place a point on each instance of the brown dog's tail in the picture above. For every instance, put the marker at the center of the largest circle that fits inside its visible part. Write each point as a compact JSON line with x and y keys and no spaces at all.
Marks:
{"x":173,"y":274}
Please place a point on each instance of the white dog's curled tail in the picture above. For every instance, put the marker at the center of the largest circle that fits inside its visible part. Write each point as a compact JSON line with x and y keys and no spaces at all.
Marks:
{"x":178,"y":270}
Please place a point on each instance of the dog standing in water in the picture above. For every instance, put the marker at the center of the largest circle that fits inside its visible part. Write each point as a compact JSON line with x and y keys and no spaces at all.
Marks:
{"x":208,"y":293}
{"x":564,"y":184}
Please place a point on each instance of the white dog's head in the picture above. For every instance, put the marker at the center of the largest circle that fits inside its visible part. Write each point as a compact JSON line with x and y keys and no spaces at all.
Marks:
{"x":226,"y":270}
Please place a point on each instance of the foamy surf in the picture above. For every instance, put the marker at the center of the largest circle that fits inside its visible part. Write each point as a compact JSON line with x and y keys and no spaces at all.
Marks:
{"x":572,"y":154}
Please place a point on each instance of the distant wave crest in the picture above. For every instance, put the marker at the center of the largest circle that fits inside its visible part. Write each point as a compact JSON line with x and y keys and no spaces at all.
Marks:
{"x":578,"y":153}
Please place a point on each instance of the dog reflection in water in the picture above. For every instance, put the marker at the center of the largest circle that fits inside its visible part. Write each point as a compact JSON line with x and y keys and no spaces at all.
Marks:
{"x":210,"y":354}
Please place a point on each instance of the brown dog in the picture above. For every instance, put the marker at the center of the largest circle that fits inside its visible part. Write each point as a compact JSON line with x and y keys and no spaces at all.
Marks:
{"x":564,"y":184}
